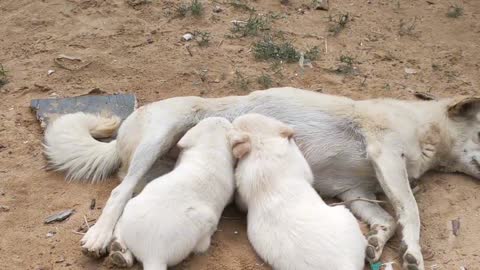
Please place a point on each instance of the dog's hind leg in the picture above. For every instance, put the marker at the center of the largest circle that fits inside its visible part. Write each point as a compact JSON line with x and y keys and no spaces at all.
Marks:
{"x":153,"y":145}
{"x":120,"y":255}
{"x":382,"y":224}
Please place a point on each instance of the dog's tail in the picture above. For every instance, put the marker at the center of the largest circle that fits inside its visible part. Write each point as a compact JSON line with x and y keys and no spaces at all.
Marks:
{"x":70,"y":146}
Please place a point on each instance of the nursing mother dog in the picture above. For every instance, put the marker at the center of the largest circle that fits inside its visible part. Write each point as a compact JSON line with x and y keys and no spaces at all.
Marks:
{"x":289,"y":225}
{"x":354,"y":148}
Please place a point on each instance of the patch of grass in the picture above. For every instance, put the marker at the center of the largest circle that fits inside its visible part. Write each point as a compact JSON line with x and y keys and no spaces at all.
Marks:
{"x":202,"y":38}
{"x":252,"y":27}
{"x":346,"y":65}
{"x":312,"y":54}
{"x":337,"y":25}
{"x":407,"y":28}
{"x":265,"y":81}
{"x":241,"y":81}
{"x":268,"y":49}
{"x":455,"y":11}
{"x":3,"y":76}
{"x":239,"y":4}
{"x":195,"y":8}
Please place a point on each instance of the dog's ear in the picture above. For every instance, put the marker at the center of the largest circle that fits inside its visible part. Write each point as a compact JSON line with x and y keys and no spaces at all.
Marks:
{"x":185,"y":142}
{"x":240,"y":142}
{"x":464,"y":107}
{"x":286,"y":131}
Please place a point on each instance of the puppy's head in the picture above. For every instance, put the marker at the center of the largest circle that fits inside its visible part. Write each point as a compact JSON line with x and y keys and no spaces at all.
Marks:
{"x":210,"y":132}
{"x":463,"y":114}
{"x":251,"y":130}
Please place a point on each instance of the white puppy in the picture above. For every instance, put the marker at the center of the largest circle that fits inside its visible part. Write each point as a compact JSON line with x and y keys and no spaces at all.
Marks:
{"x":289,"y":225}
{"x":177,"y":213}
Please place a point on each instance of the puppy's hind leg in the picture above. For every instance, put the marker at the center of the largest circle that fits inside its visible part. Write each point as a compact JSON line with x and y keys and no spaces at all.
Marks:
{"x":120,"y":255}
{"x":203,"y":244}
{"x":382,"y":224}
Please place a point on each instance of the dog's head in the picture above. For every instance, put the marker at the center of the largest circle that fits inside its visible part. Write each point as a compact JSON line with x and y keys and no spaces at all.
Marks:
{"x":267,"y":140}
{"x":252,"y":130}
{"x":464,"y":127}
{"x":209,"y":133}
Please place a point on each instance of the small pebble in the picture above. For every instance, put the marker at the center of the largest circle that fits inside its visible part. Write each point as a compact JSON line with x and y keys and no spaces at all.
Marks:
{"x":187,"y":37}
{"x":217,"y":9}
{"x":4,"y":208}
{"x":235,"y":232}
{"x":50,"y":234}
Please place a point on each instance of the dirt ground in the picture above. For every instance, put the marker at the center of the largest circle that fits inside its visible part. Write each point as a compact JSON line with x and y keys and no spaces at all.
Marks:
{"x":138,"y":49}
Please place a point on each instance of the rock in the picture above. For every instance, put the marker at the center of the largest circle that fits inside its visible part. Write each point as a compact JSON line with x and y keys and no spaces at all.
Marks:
{"x":61,"y":216}
{"x":120,"y":105}
{"x":320,"y":4}
{"x":411,"y":71}
{"x":4,"y":208}
{"x":50,"y":234}
{"x":187,"y":37}
{"x":217,"y":9}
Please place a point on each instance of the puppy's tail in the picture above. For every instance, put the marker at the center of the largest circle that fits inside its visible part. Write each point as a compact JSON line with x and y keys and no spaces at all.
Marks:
{"x":70,"y":146}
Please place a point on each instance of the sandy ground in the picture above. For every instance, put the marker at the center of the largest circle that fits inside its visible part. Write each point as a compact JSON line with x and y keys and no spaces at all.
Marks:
{"x":138,"y":49}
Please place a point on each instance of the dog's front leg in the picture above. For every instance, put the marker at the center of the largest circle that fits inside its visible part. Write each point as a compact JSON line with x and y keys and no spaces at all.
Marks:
{"x":98,"y":237}
{"x":390,"y":168}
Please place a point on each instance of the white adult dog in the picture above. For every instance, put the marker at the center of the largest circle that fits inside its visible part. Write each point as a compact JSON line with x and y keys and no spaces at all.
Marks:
{"x":355,"y":149}
{"x":289,"y":225}
{"x":177,"y":213}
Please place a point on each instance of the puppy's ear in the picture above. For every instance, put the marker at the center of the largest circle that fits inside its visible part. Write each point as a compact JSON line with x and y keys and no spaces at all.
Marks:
{"x":286,"y":131}
{"x":240,"y":142}
{"x":185,"y":142}
{"x":464,"y":107}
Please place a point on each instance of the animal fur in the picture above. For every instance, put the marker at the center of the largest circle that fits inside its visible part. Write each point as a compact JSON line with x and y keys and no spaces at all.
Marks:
{"x":177,"y":213}
{"x":289,"y":225}
{"x":355,"y":149}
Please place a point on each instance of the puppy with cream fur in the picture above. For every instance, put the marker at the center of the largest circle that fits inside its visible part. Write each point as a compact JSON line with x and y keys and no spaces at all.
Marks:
{"x":289,"y":225}
{"x":177,"y":213}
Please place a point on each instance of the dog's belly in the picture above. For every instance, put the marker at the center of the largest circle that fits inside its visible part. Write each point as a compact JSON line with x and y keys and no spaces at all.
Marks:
{"x":334,"y":146}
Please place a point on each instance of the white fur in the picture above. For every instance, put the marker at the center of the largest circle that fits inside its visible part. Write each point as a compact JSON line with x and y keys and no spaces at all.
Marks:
{"x":177,"y":213}
{"x":70,"y":145}
{"x":355,"y":149}
{"x":289,"y":225}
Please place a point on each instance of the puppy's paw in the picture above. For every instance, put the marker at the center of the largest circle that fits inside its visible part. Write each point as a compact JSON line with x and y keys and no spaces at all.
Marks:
{"x":412,"y":258}
{"x":96,"y":240}
{"x":117,"y":258}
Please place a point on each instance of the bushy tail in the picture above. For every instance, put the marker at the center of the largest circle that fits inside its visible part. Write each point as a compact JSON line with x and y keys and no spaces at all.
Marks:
{"x":70,"y":146}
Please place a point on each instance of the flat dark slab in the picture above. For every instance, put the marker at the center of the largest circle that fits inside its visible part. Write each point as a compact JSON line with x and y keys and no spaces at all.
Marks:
{"x":121,"y":105}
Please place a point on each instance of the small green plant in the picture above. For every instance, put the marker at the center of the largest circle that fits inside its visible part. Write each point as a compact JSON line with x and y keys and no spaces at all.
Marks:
{"x":241,"y":81}
{"x":268,"y":49}
{"x":240,"y":4}
{"x":195,"y":8}
{"x":455,"y":11}
{"x":337,"y":25}
{"x":265,"y":81}
{"x":202,"y":38}
{"x":407,"y":28}
{"x":252,"y":27}
{"x":3,"y":76}
{"x":312,"y":54}
{"x":346,"y":65}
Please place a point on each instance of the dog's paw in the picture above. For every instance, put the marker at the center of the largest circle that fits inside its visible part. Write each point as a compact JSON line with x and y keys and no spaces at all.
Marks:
{"x":376,"y":238}
{"x":117,"y":258}
{"x":96,"y":240}
{"x":412,"y":259}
